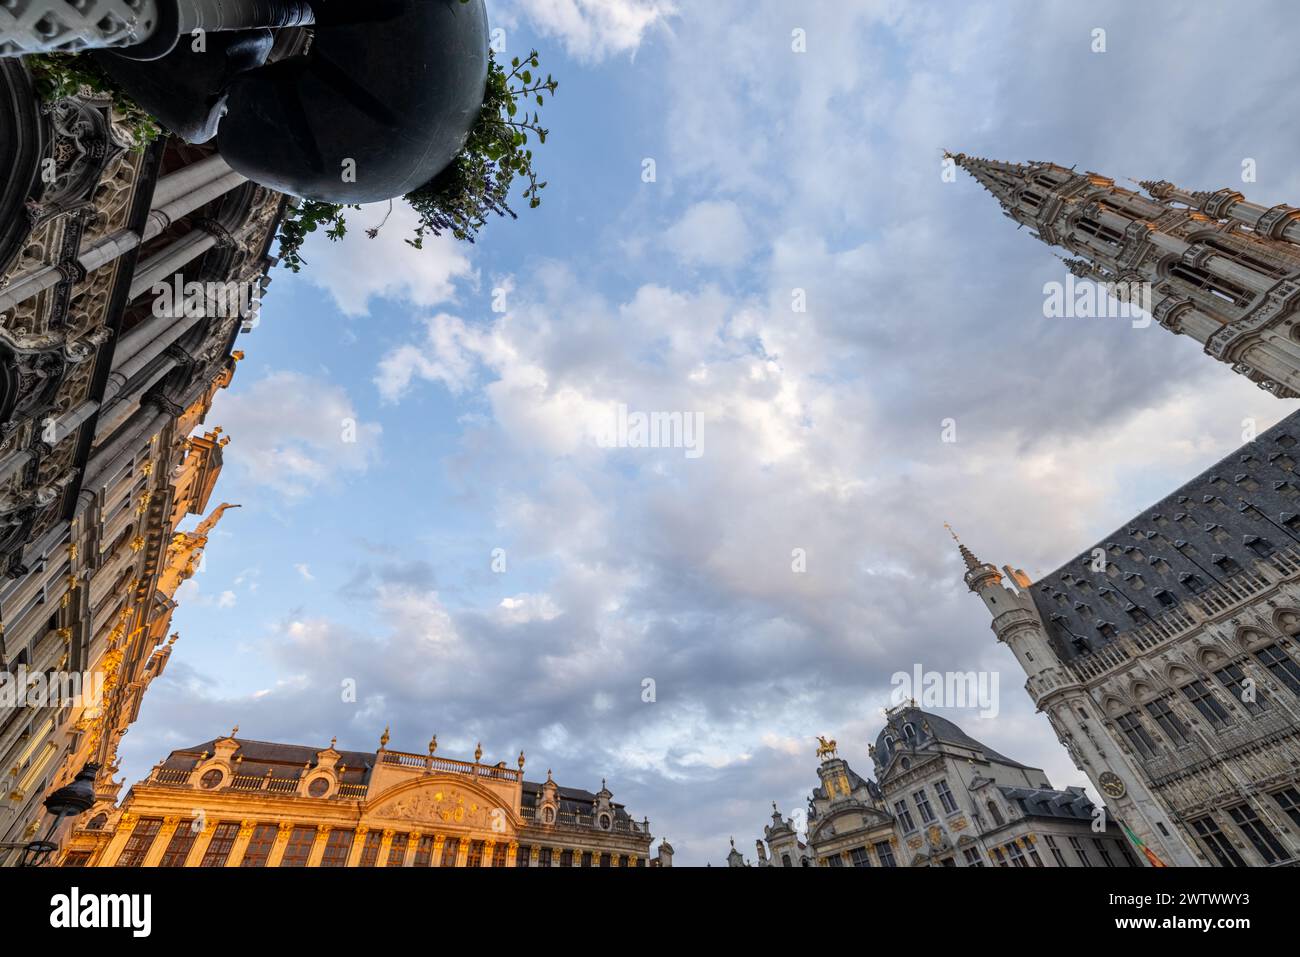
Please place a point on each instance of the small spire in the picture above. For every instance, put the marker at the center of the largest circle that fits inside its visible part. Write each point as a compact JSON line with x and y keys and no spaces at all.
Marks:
{"x":967,"y":555}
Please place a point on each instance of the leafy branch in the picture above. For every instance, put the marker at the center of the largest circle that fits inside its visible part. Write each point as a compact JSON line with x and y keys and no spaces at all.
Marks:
{"x":475,"y":185}
{"x":61,"y":75}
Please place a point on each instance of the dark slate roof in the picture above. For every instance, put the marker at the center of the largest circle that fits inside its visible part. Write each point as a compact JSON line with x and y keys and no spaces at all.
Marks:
{"x":1044,"y":802}
{"x":1225,"y":520}
{"x":940,"y":729}
{"x":283,"y":760}
{"x":571,"y":799}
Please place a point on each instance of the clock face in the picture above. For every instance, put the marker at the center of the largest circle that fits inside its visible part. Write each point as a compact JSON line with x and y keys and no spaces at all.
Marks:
{"x":1111,"y":784}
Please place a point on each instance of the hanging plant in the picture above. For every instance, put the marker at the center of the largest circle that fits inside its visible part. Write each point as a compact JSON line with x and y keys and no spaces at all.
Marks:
{"x":477,"y":183}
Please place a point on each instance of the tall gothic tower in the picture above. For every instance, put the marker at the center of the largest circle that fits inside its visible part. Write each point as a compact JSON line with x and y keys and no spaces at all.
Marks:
{"x":1219,"y":269}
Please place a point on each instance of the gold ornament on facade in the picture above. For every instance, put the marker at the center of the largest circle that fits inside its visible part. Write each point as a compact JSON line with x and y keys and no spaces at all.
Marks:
{"x":825,"y":748}
{"x":137,"y":543}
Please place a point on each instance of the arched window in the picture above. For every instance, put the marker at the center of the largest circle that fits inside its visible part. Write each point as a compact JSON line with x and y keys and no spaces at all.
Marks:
{"x":995,"y":814}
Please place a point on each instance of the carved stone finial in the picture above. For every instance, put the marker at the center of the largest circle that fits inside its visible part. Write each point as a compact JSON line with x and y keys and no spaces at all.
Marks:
{"x":333,"y":742}
{"x":478,"y":752}
{"x":433,"y":744}
{"x":234,"y":731}
{"x":521,"y":760}
{"x":383,"y":738}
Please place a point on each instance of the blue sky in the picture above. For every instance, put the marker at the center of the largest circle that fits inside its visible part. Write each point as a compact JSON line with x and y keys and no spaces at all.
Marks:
{"x":370,"y":560}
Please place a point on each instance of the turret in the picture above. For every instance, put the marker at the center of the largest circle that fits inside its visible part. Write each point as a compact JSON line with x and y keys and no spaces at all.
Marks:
{"x":1015,"y":619}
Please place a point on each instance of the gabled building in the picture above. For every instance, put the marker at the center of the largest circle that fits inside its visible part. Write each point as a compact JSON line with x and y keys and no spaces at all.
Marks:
{"x":958,"y":803}
{"x":941,"y":799}
{"x":235,"y":802}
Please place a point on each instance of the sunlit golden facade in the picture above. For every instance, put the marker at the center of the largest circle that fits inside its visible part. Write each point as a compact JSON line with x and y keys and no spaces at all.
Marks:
{"x":103,"y":399}
{"x":233,"y":802}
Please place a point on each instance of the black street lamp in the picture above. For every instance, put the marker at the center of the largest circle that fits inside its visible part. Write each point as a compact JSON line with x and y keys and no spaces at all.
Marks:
{"x":68,"y":801}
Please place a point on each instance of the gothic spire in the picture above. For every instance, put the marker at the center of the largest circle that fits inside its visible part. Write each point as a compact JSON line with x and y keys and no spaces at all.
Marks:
{"x":999,"y":178}
{"x":972,"y":563}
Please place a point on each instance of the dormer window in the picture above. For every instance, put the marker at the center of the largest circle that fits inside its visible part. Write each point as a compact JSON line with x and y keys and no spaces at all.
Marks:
{"x":1227,"y":564}
{"x":1216,"y":532}
{"x":1193,"y":583}
{"x":1260,"y":546}
{"x":1165,"y":598}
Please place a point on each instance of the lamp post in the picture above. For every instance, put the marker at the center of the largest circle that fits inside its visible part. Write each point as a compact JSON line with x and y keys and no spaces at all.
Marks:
{"x":68,"y":801}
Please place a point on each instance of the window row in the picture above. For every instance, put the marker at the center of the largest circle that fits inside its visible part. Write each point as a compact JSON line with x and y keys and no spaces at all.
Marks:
{"x":338,"y":848}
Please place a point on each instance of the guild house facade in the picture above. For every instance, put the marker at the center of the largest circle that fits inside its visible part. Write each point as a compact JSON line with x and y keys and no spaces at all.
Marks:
{"x":1167,"y":659}
{"x":233,"y":802}
{"x":940,"y":798}
{"x":105,"y":384}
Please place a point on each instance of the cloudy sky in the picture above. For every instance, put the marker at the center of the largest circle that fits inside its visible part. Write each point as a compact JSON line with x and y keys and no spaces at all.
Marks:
{"x":366,"y":553}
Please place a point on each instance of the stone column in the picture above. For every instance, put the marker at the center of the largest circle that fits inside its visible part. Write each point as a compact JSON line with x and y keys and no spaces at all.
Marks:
{"x":236,"y":858}
{"x":281,"y":841}
{"x":358,"y":845}
{"x":462,"y":852}
{"x":439,"y":841}
{"x":488,"y":847}
{"x":200,"y":846}
{"x":384,"y":847}
{"x":122,"y":833}
{"x":160,"y":841}
{"x":412,"y":842}
{"x":318,"y":846}
{"x":512,"y":852}
{"x":534,"y":855}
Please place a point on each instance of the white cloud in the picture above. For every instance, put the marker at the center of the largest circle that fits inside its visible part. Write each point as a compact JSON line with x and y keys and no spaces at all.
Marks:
{"x":711,"y":233}
{"x":294,"y":433}
{"x":521,"y":609}
{"x":304,"y":572}
{"x":357,"y":269}
{"x":595,"y":29}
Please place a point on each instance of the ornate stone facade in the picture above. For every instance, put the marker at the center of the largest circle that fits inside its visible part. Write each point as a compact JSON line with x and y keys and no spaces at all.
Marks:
{"x":1167,"y":659}
{"x":940,"y":799}
{"x":101,"y":394}
{"x":1222,"y":270}
{"x":234,"y":802}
